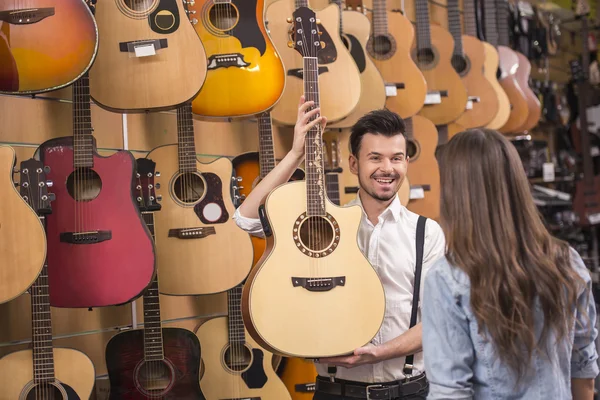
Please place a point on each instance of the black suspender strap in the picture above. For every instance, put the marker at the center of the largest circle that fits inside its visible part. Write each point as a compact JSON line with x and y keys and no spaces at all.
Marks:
{"x":420,"y":239}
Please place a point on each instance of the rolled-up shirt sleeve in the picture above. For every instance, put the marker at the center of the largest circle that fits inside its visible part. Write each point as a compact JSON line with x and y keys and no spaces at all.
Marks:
{"x":250,"y":225}
{"x":447,"y":346}
{"x":584,"y":357}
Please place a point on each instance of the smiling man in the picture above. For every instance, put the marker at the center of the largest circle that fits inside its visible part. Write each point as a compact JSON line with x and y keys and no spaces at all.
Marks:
{"x":391,"y":366}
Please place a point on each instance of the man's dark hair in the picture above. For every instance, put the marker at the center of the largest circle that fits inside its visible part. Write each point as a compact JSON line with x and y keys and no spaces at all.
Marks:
{"x":378,"y":122}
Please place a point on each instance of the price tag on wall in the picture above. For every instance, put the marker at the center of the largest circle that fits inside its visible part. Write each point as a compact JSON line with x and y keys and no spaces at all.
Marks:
{"x":416,"y":193}
{"x":548,"y":171}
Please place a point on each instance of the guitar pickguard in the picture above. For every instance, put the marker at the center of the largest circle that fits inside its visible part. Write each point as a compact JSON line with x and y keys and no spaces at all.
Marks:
{"x":165,"y":19}
{"x":356,"y":50}
{"x":207,"y":207}
{"x":255,"y":376}
{"x":247,"y":30}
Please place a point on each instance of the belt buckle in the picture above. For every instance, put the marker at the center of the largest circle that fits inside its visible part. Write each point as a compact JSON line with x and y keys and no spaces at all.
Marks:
{"x":376,"y":386}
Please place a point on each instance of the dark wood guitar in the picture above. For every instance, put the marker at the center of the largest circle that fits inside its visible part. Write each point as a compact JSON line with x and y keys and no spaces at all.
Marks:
{"x":44,"y":371}
{"x":100,"y":252}
{"x":153,"y":362}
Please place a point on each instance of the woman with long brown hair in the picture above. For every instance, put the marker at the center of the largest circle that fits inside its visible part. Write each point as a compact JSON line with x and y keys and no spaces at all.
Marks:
{"x":508,"y":313}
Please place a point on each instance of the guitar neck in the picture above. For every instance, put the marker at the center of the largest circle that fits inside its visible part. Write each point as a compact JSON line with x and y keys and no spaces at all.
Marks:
{"x":237,"y":334}
{"x":380,"y":20}
{"x":185,"y":139}
{"x":423,"y":31}
{"x":490,"y":25}
{"x":339,"y":4}
{"x":333,"y":187}
{"x":302,"y":3}
{"x":502,"y":24}
{"x":83,"y":151}
{"x":315,"y":190}
{"x":266,"y":153}
{"x":470,"y":18}
{"x":454,"y":26}
{"x":153,"y":339}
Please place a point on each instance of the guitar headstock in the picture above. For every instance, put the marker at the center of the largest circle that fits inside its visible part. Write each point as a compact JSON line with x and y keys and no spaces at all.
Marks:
{"x":581,"y":8}
{"x":336,"y":155}
{"x":33,"y":186}
{"x":145,"y":188}
{"x":304,"y":32}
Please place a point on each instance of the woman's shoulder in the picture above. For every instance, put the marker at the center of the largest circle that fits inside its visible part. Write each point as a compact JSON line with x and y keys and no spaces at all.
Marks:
{"x":443,"y":272}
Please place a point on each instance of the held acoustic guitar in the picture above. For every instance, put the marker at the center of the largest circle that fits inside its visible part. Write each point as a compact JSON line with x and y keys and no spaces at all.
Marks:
{"x":44,"y":44}
{"x":150,"y":58}
{"x":432,"y":51}
{"x":468,"y":60}
{"x":235,"y":366}
{"x":339,"y":76}
{"x":100,"y":252}
{"x":355,"y":29}
{"x":242,"y":61}
{"x":254,"y":166}
{"x":200,"y":249}
{"x":22,"y":237}
{"x":44,"y":371}
{"x":153,"y":362}
{"x":312,"y":261}
{"x":389,"y":47}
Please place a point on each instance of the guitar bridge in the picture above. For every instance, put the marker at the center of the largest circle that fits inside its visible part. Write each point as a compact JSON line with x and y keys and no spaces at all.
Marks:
{"x":319,"y":284}
{"x":85,"y":237}
{"x":227,"y":60}
{"x":192,"y":233}
{"x":27,"y":16}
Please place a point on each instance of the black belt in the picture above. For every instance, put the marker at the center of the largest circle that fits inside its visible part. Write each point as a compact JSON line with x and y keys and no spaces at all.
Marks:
{"x":372,"y":391}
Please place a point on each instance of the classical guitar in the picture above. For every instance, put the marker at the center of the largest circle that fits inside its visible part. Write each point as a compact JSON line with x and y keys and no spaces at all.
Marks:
{"x":299,"y":377}
{"x":432,"y":51}
{"x":252,"y":167}
{"x":533,"y":103}
{"x":235,"y":366}
{"x":100,"y":252}
{"x":153,"y":362}
{"x":316,"y":242}
{"x":355,"y":29}
{"x":586,"y":202}
{"x":22,"y":237}
{"x":242,"y":61}
{"x":150,"y":58}
{"x":423,"y":171}
{"x":338,"y":73}
{"x":497,"y":35}
{"x":468,"y":59}
{"x":389,"y":47}
{"x":200,"y":249}
{"x":44,"y":44}
{"x":44,"y":371}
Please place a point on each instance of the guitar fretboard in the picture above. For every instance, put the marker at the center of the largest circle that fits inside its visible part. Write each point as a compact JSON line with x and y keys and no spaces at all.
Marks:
{"x":380,"y":20}
{"x":153,"y":339}
{"x":266,"y":154}
{"x":469,"y":18}
{"x":333,"y":187}
{"x":502,"y":16}
{"x":83,"y":151}
{"x":454,"y":25}
{"x":301,"y":3}
{"x":185,"y":139}
{"x":423,"y":32}
{"x":237,"y":335}
{"x":491,"y":24}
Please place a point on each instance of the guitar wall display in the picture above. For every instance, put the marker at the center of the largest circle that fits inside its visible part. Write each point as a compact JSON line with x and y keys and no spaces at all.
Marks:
{"x":45,"y":45}
{"x":153,"y":362}
{"x":100,"y":252}
{"x":200,"y":249}
{"x":150,"y":57}
{"x":44,"y":371}
{"x":316,"y":240}
{"x":242,"y":61}
{"x":338,"y":73}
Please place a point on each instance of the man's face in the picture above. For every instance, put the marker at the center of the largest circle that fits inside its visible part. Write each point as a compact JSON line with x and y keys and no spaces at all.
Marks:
{"x":381,"y":165}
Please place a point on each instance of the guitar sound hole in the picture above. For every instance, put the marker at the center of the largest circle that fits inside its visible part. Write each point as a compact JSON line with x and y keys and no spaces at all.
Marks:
{"x":412,"y":150}
{"x":382,"y":45}
{"x":189,"y":187}
{"x":140,"y":6}
{"x":84,"y":184}
{"x":425,"y":56}
{"x":316,"y":233}
{"x":223,"y":16}
{"x":238,"y":357}
{"x":154,"y":377}
{"x":46,"y":391}
{"x":459,"y":63}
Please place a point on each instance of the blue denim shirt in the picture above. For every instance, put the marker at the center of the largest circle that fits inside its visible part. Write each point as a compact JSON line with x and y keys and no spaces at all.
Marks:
{"x":461,"y":364}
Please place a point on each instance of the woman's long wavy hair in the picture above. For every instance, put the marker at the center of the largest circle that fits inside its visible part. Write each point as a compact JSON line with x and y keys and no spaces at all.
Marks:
{"x":494,"y":233}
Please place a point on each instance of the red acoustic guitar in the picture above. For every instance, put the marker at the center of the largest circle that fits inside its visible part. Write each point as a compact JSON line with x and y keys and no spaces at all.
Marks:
{"x":100,"y":252}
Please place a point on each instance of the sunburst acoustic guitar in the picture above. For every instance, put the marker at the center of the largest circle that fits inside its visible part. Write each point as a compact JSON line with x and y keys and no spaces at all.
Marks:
{"x":316,"y":240}
{"x":468,"y":59}
{"x":242,"y":61}
{"x":338,"y":74}
{"x":22,"y":237}
{"x":389,"y":47}
{"x":150,"y":58}
{"x":44,"y":371}
{"x":432,"y":51}
{"x":200,"y":249}
{"x":31,"y":59}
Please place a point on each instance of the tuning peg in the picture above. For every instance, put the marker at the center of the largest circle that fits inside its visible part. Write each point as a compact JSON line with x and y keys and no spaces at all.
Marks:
{"x":157,"y":173}
{"x":139,"y":199}
{"x":49,"y":183}
{"x":318,"y":21}
{"x":159,"y":198}
{"x":239,"y":178}
{"x":240,"y":187}
{"x":194,"y":21}
{"x":190,"y":3}
{"x":157,"y":185}
{"x":47,"y":169}
{"x":51,"y":196}
{"x":243,"y":197}
{"x":137,"y":175}
{"x":289,"y":20}
{"x":16,"y":170}
{"x":290,"y":44}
